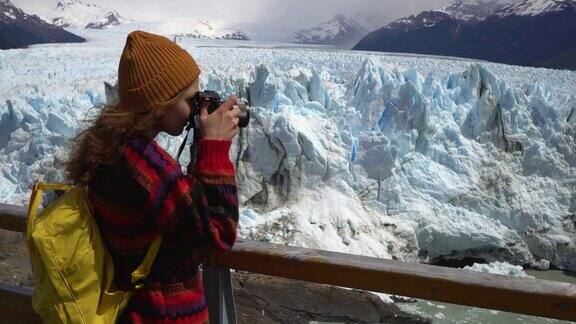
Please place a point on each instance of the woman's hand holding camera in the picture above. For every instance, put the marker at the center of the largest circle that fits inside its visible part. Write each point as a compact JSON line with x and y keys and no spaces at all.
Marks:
{"x":222,"y":124}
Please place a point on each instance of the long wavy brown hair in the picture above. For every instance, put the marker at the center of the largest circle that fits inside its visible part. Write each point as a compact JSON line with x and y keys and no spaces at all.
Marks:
{"x":104,"y":139}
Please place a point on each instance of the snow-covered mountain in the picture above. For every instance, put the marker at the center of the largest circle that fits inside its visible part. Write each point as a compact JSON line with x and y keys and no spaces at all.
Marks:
{"x":111,"y":18}
{"x":340,"y":30}
{"x":77,"y":13}
{"x":529,"y":32}
{"x":185,"y":27}
{"x":473,"y":10}
{"x":462,"y":11}
{"x":173,"y":28}
{"x":18,"y":29}
{"x":536,"y":7}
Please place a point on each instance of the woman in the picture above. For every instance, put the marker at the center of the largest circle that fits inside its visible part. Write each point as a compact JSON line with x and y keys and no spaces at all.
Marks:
{"x":138,"y":190}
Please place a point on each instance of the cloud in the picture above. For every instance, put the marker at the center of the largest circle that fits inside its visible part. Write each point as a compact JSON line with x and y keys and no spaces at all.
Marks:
{"x":304,"y":13}
{"x":372,"y":12}
{"x":284,"y":13}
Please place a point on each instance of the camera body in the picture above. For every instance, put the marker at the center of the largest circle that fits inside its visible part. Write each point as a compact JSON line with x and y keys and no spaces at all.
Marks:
{"x":214,"y":101}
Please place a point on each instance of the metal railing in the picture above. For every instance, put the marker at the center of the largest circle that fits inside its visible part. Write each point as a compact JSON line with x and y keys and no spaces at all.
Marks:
{"x":506,"y":293}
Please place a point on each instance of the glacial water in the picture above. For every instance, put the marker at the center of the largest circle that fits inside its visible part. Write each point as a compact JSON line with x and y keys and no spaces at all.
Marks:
{"x":450,"y":313}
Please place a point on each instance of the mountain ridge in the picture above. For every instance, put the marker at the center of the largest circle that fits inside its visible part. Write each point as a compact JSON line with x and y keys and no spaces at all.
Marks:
{"x":81,"y":14}
{"x":19,"y":29}
{"x":339,"y":30}
{"x":518,"y":33}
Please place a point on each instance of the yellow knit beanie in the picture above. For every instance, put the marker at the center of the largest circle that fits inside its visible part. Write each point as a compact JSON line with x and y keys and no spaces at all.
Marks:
{"x":152,"y":70}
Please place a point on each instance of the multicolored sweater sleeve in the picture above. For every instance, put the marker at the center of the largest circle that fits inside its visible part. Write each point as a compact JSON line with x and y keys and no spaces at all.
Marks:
{"x":198,"y":209}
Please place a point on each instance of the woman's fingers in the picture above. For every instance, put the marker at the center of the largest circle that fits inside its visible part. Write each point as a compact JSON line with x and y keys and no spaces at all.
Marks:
{"x":235,"y":111}
{"x":234,"y":131}
{"x":204,"y":110}
{"x":228,"y":104}
{"x":222,"y":123}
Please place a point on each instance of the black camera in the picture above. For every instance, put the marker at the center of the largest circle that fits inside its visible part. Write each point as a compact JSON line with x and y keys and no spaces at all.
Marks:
{"x":215,"y":101}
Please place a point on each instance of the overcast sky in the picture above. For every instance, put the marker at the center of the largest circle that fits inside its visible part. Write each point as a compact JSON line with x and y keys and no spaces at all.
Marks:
{"x":285,"y":13}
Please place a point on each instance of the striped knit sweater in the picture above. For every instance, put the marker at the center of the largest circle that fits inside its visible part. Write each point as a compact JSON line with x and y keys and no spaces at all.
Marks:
{"x":144,"y":193}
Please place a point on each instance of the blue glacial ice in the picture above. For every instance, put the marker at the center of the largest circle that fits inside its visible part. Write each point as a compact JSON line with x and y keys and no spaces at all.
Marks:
{"x":411,"y":158}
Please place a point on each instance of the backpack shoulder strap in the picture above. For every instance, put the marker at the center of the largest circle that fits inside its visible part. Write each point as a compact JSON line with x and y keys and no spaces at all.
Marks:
{"x":36,"y":199}
{"x":144,"y":269}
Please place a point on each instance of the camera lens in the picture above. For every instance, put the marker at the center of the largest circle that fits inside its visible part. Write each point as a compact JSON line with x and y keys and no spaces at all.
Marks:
{"x":244,"y":116}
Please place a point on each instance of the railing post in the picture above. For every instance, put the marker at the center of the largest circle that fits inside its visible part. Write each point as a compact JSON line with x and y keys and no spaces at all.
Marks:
{"x":219,"y":294}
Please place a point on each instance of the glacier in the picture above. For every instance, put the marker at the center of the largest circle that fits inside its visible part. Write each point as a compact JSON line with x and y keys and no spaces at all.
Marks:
{"x":501,"y":268}
{"x":403,"y":157}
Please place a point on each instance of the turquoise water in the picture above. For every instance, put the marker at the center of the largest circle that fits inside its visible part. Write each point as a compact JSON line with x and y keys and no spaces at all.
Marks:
{"x":450,"y":313}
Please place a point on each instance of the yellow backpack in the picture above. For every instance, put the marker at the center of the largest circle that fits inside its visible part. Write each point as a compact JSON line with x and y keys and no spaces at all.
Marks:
{"x":74,"y":272}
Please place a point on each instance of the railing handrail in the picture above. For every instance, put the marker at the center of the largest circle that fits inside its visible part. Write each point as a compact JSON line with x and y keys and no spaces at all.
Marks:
{"x":13,"y":218}
{"x":15,"y":305}
{"x":506,"y":293}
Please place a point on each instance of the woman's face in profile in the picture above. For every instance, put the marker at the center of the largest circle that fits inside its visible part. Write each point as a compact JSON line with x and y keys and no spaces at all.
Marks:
{"x":176,"y":117}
